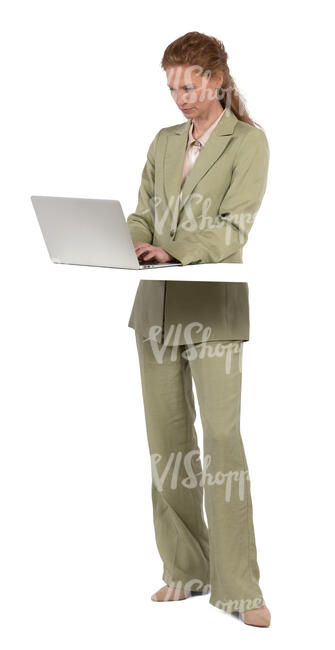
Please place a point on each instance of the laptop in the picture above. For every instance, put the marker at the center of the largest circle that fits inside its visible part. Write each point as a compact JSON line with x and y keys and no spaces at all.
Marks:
{"x":88,"y":232}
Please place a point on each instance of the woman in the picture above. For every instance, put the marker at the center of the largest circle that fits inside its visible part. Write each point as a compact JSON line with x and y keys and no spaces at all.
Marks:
{"x":201,"y":187}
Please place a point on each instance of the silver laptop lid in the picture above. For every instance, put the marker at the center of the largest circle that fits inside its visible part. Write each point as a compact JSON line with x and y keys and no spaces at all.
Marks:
{"x":89,"y":232}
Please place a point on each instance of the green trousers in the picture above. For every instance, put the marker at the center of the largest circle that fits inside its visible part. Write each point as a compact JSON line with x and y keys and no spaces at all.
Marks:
{"x":220,"y":559}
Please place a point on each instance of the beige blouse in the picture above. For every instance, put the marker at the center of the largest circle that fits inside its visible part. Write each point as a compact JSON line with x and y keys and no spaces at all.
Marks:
{"x":194,"y":147}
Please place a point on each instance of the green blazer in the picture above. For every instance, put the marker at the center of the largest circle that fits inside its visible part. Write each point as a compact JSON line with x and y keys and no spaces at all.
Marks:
{"x":191,"y":309}
{"x":228,"y":181}
{"x":221,"y":194}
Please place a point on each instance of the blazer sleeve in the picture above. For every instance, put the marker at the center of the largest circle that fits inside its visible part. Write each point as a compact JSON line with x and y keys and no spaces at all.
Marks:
{"x":141,"y":222}
{"x":230,"y":228}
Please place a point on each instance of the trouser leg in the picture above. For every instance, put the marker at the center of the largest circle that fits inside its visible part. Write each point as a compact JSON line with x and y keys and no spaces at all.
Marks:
{"x":234,"y":572}
{"x":180,"y":529}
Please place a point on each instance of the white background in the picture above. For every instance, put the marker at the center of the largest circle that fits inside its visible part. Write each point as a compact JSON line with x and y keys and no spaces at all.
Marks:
{"x":83,"y":95}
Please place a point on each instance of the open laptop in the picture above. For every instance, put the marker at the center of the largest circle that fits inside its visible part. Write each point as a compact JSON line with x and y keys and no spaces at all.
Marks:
{"x":88,"y":232}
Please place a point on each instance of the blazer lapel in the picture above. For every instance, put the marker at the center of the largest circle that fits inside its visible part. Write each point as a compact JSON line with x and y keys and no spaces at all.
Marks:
{"x":175,"y":153}
{"x":174,"y":164}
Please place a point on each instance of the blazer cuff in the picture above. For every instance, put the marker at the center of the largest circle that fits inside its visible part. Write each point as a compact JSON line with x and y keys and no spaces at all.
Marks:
{"x":139,"y":234}
{"x":182,"y":253}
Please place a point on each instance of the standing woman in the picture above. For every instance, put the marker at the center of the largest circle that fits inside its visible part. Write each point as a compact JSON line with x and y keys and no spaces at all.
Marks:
{"x":201,"y":187}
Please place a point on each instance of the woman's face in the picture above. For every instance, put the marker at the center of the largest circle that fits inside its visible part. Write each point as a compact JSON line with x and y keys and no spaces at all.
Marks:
{"x":192,"y":89}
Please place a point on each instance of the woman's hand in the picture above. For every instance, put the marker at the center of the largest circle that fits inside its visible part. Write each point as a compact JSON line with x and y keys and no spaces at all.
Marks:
{"x":149,"y":253}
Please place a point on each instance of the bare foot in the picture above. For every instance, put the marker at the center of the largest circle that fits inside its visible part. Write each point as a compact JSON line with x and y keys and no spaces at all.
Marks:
{"x":167,"y":593}
{"x":260,"y":617}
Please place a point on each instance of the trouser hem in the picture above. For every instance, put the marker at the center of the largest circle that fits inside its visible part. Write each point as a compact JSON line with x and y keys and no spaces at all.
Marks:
{"x":236,"y":605}
{"x":189,"y":585}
